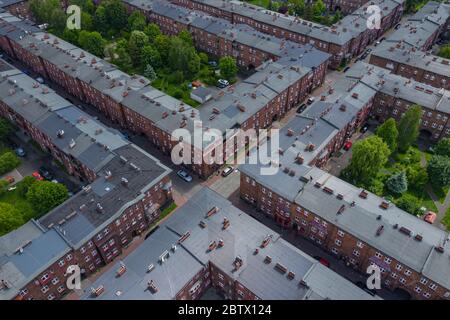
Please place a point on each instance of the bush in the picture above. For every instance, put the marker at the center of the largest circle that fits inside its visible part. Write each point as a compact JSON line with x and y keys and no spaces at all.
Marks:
{"x":45,"y":195}
{"x":439,"y":171}
{"x":409,"y":203}
{"x":24,"y":185}
{"x":397,"y":183}
{"x":8,"y":161}
{"x":10,"y":218}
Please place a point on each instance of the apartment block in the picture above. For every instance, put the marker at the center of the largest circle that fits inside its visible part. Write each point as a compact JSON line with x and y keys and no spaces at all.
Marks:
{"x":126,"y":187}
{"x":209,"y":243}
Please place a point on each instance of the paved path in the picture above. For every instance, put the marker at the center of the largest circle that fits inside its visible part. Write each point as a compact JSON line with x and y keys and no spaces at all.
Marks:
{"x":442,"y":207}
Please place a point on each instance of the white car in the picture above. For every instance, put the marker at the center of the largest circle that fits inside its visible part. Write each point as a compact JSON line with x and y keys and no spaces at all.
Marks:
{"x":184,"y":175}
{"x":222,"y":83}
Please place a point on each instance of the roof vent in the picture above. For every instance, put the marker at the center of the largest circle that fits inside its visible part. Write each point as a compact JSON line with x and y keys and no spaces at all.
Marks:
{"x":405,"y":231}
{"x":268,"y":259}
{"x":99,"y":207}
{"x":60,"y":133}
{"x":380,"y":230}
{"x":124,"y":181}
{"x":212,"y":211}
{"x":363,"y":194}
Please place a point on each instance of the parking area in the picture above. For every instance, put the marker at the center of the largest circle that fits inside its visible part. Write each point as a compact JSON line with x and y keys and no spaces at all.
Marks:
{"x":35,"y":161}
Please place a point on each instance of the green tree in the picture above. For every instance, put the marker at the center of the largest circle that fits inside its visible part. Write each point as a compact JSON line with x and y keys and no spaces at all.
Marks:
{"x":92,"y":42}
{"x":150,"y":73}
{"x":318,"y":8}
{"x":100,"y":20}
{"x":389,"y":133}
{"x":183,"y":57}
{"x":308,"y":12}
{"x":369,"y":156}
{"x":45,"y":195}
{"x":162,"y":44}
{"x":8,"y":161}
{"x":228,"y":68}
{"x":86,"y":21}
{"x":24,"y":185}
{"x":57,"y":20}
{"x":442,"y":148}
{"x":5,"y":128}
{"x":116,"y":14}
{"x":408,"y":128}
{"x":397,"y":183}
{"x":337,"y":16}
{"x":417,"y":177}
{"x":10,"y":218}
{"x":203,"y":58}
{"x":87,"y":6}
{"x":438,"y":169}
{"x":186,"y":37}
{"x":138,"y":40}
{"x":298,"y":6}
{"x":152,"y":31}
{"x":137,"y":21}
{"x":444,"y":51}
{"x":43,"y":9}
{"x":409,"y":203}
{"x":151,"y":56}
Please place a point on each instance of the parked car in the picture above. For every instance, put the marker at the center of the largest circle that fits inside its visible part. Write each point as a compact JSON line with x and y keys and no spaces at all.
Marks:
{"x":45,"y":173}
{"x":227,"y":171}
{"x":301,"y":108}
{"x":346,"y":68}
{"x":20,"y":152}
{"x":397,"y":26}
{"x":348,"y":145}
{"x":430,"y":217}
{"x":323,"y":261}
{"x":222,"y":83}
{"x":364,"y":128}
{"x":213,"y":63}
{"x":37,"y":176}
{"x":184,"y":175}
{"x":10,"y":179}
{"x":40,"y":80}
{"x":310,"y":100}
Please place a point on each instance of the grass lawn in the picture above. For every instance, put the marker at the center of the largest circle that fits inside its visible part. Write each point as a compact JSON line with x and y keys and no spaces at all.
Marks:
{"x":20,"y":203}
{"x":446,"y":220}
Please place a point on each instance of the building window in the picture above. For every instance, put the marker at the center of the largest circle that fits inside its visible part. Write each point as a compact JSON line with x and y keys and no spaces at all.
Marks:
{"x":402,"y":280}
{"x":61,"y":263}
{"x":55,"y":280}
{"x":338,"y":242}
{"x":334,"y":250}
{"x":378,"y":255}
{"x":394,"y":275}
{"x":387,"y":260}
{"x":423,"y":280}
{"x":51,"y":296}
{"x":399,"y":267}
{"x":60,"y":289}
{"x":359,"y":244}
{"x":418,"y":289}
{"x":408,"y":272}
{"x":427,"y":295}
{"x":356,"y":253}
{"x":44,"y":289}
{"x":433,"y":286}
{"x":340,"y":233}
{"x":23,"y":292}
{"x":69,"y":257}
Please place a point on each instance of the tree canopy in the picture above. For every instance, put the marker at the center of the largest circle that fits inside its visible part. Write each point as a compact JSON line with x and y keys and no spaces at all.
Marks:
{"x":442,"y":148}
{"x":228,"y":68}
{"x":10,"y":218}
{"x":45,"y":195}
{"x":408,"y":127}
{"x":389,"y":133}
{"x":369,"y":156}
{"x":397,"y":183}
{"x":439,"y":170}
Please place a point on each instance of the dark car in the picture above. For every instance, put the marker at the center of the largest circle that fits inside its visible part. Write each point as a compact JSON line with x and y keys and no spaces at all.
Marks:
{"x":346,"y":68}
{"x":45,"y":173}
{"x":20,"y":152}
{"x":301,"y":108}
{"x":364,"y":128}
